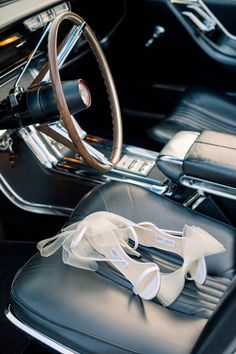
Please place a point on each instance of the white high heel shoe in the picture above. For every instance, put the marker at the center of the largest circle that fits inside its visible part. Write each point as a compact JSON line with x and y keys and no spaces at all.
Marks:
{"x":104,"y":236}
{"x":171,"y":241}
{"x":194,"y":245}
{"x":95,"y":239}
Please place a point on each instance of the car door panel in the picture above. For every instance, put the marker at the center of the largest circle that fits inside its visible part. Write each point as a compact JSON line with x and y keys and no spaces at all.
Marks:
{"x":150,"y":79}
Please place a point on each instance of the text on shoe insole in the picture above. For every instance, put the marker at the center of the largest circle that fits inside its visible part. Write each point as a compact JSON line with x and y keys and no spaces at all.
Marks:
{"x":165,"y":242}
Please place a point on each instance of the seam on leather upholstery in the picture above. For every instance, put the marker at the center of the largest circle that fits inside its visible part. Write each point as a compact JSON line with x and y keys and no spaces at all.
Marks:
{"x":198,"y":111}
{"x":197,"y":119}
{"x":221,"y":145}
{"x":197,"y":301}
{"x":202,"y":110}
{"x":104,"y":200}
{"x":131,"y":199}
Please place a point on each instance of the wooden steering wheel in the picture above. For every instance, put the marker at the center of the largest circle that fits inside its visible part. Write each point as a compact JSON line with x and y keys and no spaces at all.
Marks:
{"x":62,"y":106}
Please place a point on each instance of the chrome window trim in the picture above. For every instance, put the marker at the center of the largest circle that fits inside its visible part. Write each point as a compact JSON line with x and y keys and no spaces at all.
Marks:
{"x":38,"y":335}
{"x":209,"y":187}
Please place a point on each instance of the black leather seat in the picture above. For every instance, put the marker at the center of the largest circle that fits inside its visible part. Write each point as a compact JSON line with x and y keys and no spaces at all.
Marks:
{"x":98,"y":313}
{"x":199,"y":109}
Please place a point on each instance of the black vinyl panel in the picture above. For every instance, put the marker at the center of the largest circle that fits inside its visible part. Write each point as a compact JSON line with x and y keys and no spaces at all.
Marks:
{"x":36,"y":184}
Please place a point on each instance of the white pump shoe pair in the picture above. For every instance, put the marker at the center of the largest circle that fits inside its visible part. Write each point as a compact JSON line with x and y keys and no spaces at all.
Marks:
{"x":104,"y":236}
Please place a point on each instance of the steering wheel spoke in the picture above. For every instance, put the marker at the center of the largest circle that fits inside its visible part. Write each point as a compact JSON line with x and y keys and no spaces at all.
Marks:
{"x":72,"y":39}
{"x":97,"y":154}
{"x":82,"y":133}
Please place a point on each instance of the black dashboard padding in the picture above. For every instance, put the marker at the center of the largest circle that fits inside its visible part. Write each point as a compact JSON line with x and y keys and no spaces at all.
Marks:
{"x":212,"y":157}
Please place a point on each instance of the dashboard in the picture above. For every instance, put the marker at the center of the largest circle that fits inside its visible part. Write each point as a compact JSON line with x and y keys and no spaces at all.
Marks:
{"x":22,"y":23}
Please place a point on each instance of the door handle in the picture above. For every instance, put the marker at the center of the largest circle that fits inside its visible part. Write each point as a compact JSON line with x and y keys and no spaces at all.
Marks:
{"x":204,"y":25}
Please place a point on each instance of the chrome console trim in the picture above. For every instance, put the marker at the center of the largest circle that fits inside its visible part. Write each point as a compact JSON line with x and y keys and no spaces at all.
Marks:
{"x":135,"y":150}
{"x":31,"y":206}
{"x":171,"y":157}
{"x":37,"y":335}
{"x":103,"y":178}
{"x":208,"y":186}
{"x":49,"y":157}
{"x":177,"y":148}
{"x":174,"y":160}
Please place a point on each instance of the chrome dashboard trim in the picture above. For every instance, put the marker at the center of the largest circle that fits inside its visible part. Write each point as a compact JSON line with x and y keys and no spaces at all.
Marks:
{"x":32,"y":55}
{"x":31,"y":206}
{"x":208,"y":187}
{"x":37,"y":335}
{"x":21,"y":9}
{"x":32,"y":139}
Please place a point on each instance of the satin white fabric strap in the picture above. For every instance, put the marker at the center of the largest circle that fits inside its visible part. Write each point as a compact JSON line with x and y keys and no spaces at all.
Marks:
{"x":170,"y":240}
{"x":150,"y":289}
{"x":104,"y":236}
{"x":51,"y":245}
{"x":83,"y":249}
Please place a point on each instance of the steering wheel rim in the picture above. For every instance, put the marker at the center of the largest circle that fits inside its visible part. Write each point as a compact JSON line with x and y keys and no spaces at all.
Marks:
{"x":110,"y":88}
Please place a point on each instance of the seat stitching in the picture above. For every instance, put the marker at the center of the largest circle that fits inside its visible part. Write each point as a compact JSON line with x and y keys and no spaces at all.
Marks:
{"x":197,"y":111}
{"x":196,"y":117}
{"x":203,"y":111}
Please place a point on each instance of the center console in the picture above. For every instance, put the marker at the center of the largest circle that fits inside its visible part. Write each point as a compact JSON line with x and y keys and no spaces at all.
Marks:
{"x":205,"y":162}
{"x":47,"y":177}
{"x":136,"y":166}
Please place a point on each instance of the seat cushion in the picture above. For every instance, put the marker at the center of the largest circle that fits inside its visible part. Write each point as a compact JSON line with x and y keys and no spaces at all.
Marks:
{"x":199,"y":109}
{"x":89,"y":313}
{"x":97,"y":312}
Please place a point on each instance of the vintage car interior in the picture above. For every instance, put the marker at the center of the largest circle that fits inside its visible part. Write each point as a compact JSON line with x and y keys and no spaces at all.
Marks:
{"x":127,"y":107}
